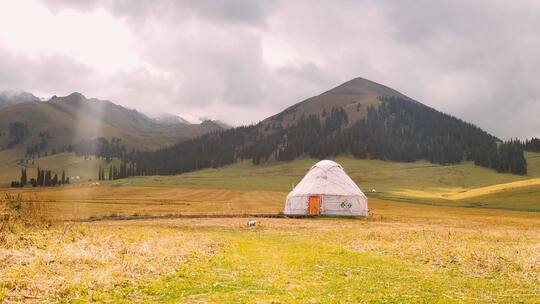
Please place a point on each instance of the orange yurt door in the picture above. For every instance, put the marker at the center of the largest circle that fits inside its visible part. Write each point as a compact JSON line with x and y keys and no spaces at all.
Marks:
{"x":314,"y":205}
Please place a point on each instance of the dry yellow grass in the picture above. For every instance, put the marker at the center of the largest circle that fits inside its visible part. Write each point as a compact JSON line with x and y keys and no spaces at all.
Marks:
{"x":113,"y":261}
{"x":40,"y":261}
{"x":459,"y":193}
{"x":17,"y":210}
{"x":74,"y":260}
{"x":424,"y":253}
{"x":79,"y":202}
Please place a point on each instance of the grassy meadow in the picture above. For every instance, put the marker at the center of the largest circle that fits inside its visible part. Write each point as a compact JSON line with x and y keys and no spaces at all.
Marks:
{"x":78,"y":168}
{"x":85,"y":202}
{"x":401,"y":253}
{"x":434,"y":250}
{"x":419,"y":182}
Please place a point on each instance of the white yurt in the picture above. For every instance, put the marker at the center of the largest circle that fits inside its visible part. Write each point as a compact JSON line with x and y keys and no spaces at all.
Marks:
{"x":327,"y":190}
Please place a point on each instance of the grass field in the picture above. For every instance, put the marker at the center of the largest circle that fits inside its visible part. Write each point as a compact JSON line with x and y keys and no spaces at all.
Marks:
{"x":83,"y":202}
{"x":77,"y":168}
{"x":419,"y":182}
{"x":402,"y":253}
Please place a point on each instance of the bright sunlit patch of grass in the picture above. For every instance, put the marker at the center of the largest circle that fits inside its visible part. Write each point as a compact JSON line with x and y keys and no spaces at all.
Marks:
{"x":460,"y":193}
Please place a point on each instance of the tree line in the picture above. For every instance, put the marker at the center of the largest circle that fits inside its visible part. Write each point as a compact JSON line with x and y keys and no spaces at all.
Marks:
{"x":102,"y":148}
{"x":41,"y":146}
{"x":396,"y":130}
{"x":532,"y":144}
{"x":44,"y":178}
{"x":117,"y":172}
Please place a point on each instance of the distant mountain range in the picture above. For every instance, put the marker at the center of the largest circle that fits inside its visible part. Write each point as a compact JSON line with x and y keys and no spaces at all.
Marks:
{"x":26,"y":123}
{"x":359,"y":117}
{"x":170,"y":119}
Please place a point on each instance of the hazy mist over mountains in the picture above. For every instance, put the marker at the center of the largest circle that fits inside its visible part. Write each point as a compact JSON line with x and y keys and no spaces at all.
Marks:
{"x":8,"y":98}
{"x":13,"y":97}
{"x":31,"y":126}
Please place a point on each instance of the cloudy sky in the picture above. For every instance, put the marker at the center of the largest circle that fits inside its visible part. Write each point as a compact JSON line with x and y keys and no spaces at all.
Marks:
{"x":240,"y":61}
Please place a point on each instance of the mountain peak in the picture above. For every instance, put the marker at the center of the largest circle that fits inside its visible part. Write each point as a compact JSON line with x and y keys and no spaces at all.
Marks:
{"x":354,"y":97}
{"x":221,"y":124}
{"x":9,"y":98}
{"x":363,"y":86}
{"x":76,"y":96}
{"x":73,"y":97}
{"x":169,"y":119}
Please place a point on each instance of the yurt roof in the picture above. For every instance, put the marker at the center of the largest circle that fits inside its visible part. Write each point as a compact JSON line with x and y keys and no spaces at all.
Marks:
{"x":326,"y":178}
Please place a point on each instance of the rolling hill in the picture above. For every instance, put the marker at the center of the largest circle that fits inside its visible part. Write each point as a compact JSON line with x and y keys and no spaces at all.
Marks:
{"x":68,"y":120}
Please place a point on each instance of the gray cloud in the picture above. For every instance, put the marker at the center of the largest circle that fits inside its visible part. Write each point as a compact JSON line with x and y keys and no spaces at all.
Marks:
{"x":243,"y":60}
{"x":40,"y":75}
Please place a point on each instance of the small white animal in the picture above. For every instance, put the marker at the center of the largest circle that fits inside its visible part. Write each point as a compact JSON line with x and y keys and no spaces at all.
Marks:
{"x":251,"y":223}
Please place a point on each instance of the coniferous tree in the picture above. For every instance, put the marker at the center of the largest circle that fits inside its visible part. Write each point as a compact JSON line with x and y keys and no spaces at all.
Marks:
{"x":47,"y":178}
{"x":532,"y":145}
{"x":24,"y":179}
{"x":39,"y":178}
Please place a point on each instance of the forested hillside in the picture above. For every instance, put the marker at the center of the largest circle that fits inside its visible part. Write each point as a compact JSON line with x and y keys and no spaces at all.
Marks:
{"x":393,"y":128}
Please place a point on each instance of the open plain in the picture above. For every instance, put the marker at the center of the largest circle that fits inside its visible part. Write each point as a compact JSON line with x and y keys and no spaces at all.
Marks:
{"x":401,"y":253}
